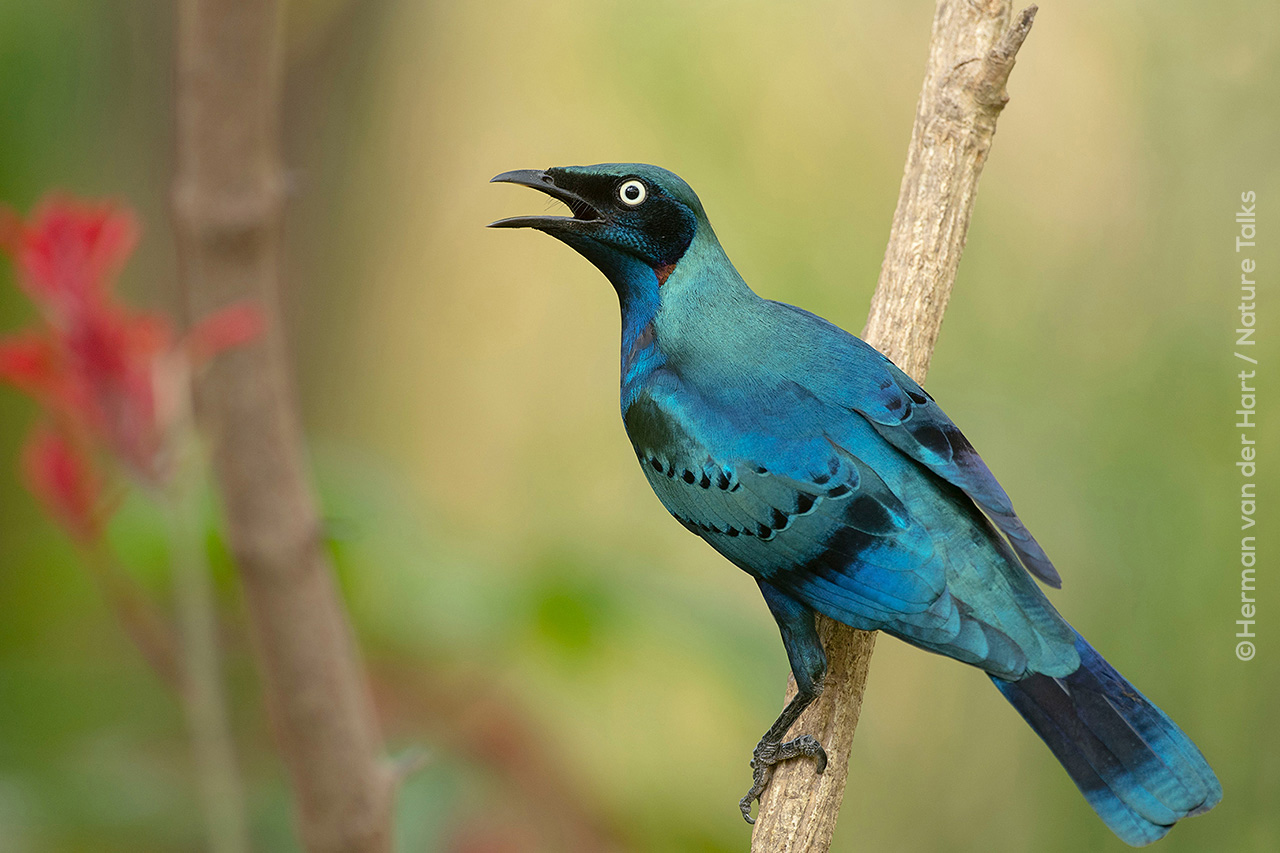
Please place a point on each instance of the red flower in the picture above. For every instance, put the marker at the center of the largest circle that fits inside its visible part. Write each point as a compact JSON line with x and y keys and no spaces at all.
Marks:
{"x":70,"y":252}
{"x":226,"y":329}
{"x":28,"y":362}
{"x":64,"y":479}
{"x":99,"y":370}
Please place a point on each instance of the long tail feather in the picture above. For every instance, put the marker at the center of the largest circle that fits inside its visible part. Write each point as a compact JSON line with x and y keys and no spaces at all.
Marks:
{"x":1132,"y":763}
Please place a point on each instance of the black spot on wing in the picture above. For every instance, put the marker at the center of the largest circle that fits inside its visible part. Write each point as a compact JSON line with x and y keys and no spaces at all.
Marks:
{"x":840,"y":550}
{"x":867,"y":514}
{"x":934,"y":440}
{"x":832,"y":577}
{"x":960,"y":443}
{"x":776,"y":520}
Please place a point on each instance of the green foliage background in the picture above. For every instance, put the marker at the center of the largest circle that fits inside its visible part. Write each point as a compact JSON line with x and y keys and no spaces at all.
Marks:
{"x":580,"y":666}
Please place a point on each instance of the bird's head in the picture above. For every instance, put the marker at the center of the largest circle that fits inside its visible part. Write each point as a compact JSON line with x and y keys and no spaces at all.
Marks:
{"x":635,"y":222}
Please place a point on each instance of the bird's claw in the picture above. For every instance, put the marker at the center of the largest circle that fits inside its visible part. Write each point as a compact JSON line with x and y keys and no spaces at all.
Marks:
{"x":767,"y":755}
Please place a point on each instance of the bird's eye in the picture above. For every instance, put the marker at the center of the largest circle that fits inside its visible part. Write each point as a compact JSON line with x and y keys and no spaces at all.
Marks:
{"x":632,"y":192}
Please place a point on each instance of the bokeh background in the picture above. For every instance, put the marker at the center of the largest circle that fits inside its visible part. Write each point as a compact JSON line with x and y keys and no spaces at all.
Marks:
{"x":587,"y":675}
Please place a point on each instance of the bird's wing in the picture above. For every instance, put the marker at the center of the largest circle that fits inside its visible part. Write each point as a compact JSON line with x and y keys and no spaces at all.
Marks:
{"x":857,"y":376}
{"x":788,"y":489}
{"x":911,"y":421}
{"x":799,"y":510}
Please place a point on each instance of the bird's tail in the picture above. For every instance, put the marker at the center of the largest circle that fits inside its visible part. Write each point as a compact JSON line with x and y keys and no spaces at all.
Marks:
{"x":1136,"y":768}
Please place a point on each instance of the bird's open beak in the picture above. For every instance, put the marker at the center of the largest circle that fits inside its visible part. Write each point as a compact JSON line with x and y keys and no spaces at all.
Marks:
{"x":583,"y":212}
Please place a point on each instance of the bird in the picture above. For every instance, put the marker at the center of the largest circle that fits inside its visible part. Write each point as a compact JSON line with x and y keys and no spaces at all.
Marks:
{"x":813,"y":463}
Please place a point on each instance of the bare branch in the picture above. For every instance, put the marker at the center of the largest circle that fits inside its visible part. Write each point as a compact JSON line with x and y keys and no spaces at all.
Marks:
{"x":971,"y":53}
{"x":227,"y":209}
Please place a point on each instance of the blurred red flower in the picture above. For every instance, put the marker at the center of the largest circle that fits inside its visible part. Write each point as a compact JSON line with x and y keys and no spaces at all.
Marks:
{"x":64,"y":479}
{"x":69,"y":253}
{"x":106,"y":377}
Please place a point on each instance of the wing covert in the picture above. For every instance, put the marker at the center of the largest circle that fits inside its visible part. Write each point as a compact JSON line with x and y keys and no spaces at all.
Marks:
{"x":816,"y":522}
{"x":855,"y":375}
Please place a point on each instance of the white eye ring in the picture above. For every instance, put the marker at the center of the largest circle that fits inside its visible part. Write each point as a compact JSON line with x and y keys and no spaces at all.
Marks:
{"x":632,"y":192}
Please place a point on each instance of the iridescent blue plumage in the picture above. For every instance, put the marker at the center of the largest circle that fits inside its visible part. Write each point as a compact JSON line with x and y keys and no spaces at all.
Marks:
{"x":813,"y":463}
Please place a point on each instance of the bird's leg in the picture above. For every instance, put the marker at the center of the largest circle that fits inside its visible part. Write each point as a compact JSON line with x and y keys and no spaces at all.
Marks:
{"x":809,"y":666}
{"x":772,"y":748}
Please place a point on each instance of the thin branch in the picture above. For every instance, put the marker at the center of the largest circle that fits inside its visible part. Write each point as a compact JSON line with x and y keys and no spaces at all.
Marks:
{"x":204,"y":696}
{"x":227,"y":209}
{"x":971,"y":53}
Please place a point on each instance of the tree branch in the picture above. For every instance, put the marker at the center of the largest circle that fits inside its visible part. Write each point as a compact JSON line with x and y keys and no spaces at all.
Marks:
{"x":971,"y":53}
{"x":228,"y":203}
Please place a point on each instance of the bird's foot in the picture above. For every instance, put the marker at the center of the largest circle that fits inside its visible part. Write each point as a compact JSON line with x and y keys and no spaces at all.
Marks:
{"x":767,"y":754}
